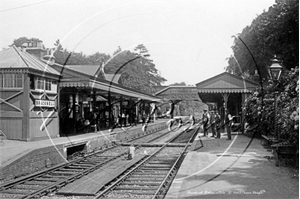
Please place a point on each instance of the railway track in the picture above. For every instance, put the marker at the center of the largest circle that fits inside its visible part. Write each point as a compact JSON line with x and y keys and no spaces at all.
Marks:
{"x":151,"y":177}
{"x":44,"y":182}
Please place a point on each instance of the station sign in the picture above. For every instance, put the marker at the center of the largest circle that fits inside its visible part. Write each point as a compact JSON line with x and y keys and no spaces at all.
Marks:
{"x":44,"y":103}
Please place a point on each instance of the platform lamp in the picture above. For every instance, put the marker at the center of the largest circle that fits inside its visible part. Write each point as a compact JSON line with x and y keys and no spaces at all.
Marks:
{"x":275,"y":71}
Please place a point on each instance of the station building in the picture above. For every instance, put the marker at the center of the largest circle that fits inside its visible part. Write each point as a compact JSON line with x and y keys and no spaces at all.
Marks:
{"x":222,"y":92}
{"x":40,"y":98}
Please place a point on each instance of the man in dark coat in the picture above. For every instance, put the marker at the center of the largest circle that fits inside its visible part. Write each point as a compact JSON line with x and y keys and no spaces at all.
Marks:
{"x":205,"y":122}
{"x":218,"y":125}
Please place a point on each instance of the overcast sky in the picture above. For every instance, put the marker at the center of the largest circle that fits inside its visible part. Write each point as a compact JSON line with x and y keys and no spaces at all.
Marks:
{"x":188,"y":41}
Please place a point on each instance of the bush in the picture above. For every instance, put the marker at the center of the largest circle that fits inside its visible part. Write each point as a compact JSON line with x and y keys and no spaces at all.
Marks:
{"x":286,"y":93}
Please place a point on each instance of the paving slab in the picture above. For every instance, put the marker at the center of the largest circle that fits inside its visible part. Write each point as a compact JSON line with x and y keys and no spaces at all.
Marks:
{"x":237,"y":168}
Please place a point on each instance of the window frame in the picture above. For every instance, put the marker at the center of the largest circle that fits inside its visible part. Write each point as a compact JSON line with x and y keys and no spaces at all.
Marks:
{"x":15,"y":81}
{"x":45,"y":84}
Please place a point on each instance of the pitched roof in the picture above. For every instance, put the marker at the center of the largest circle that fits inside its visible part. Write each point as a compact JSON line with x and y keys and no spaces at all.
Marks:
{"x":92,"y":70}
{"x":86,"y":69}
{"x":226,"y":82}
{"x":112,"y":77}
{"x":13,"y":58}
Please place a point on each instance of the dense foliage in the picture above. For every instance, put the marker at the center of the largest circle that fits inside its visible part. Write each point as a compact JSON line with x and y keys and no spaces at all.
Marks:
{"x":65,"y":57}
{"x":137,"y":70}
{"x":286,"y":94}
{"x":275,"y":32}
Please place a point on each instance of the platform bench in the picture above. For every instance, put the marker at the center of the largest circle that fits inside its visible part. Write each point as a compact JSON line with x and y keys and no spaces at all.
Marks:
{"x":285,"y":151}
{"x":267,"y":141}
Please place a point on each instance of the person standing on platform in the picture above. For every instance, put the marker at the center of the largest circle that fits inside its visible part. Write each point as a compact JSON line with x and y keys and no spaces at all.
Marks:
{"x":218,"y":125}
{"x":170,"y":112}
{"x":94,"y":122}
{"x":205,"y":122}
{"x":228,"y":121}
{"x":213,"y":123}
{"x":118,"y":123}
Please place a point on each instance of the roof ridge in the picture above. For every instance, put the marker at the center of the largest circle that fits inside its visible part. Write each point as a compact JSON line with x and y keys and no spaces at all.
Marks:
{"x":17,"y":50}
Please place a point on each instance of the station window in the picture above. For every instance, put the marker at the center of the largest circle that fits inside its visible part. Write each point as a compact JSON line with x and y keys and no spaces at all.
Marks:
{"x":48,"y":84}
{"x":11,"y":81}
{"x":18,"y":80}
{"x":45,"y":84}
{"x":40,"y":83}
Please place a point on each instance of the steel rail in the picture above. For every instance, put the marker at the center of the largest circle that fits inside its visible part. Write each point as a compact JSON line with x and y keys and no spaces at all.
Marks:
{"x":58,"y":184}
{"x":177,"y":163}
{"x":7,"y":185}
{"x":69,"y":179}
{"x":131,"y":170}
{"x":11,"y":184}
{"x":143,"y":160}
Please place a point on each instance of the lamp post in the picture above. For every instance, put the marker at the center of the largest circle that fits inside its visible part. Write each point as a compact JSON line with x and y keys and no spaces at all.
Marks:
{"x":275,"y":71}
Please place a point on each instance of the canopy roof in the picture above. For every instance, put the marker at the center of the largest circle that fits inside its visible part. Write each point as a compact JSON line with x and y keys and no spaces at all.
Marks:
{"x":75,"y":78}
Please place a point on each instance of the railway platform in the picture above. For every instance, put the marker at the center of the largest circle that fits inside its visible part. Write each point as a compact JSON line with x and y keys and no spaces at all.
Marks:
{"x":237,"y":168}
{"x":32,"y":156}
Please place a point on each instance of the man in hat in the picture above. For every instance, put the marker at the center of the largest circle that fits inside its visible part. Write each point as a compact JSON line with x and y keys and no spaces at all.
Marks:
{"x":205,"y":121}
{"x":213,"y":123}
{"x":218,"y":125}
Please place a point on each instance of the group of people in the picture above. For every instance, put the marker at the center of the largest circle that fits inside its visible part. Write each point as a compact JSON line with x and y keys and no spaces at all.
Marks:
{"x":212,"y":121}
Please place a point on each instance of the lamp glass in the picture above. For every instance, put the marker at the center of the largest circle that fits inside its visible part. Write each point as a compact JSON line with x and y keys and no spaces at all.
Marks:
{"x":275,"y":71}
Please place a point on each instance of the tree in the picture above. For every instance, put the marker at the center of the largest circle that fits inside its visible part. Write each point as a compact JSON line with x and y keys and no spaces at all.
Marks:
{"x":60,"y":54}
{"x":97,"y":58}
{"x":137,"y":70}
{"x":64,"y":57}
{"x":141,"y":49}
{"x":275,"y":32}
{"x":178,"y":84}
{"x":18,"y":42}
